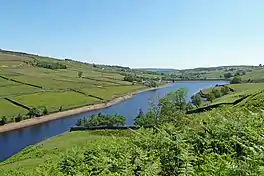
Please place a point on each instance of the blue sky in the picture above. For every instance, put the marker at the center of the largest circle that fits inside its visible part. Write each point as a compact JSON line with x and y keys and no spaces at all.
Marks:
{"x":138,"y":33}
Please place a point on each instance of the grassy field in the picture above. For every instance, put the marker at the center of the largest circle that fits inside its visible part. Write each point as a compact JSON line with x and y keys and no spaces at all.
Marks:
{"x":52,"y":87}
{"x":9,"y":109}
{"x":33,"y":156}
{"x":54,"y":100}
{"x":240,"y":90}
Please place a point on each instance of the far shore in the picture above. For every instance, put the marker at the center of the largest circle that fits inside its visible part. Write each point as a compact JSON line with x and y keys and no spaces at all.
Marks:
{"x":58,"y":115}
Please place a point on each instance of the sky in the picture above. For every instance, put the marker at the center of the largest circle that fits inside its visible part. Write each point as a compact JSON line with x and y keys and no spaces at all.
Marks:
{"x":137,"y":33}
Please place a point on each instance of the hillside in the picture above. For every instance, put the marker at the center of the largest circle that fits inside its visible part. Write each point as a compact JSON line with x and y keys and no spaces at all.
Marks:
{"x":40,"y":85}
{"x":247,"y":72}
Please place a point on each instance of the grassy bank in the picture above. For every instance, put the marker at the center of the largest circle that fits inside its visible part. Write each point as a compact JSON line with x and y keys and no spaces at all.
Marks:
{"x":240,"y":90}
{"x":56,"y":85}
{"x":52,"y":149}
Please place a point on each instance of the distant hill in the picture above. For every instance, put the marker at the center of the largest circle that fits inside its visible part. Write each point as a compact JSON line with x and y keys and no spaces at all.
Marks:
{"x":160,"y":70}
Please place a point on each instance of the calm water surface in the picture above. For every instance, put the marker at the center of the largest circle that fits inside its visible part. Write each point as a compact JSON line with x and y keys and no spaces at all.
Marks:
{"x":14,"y":141}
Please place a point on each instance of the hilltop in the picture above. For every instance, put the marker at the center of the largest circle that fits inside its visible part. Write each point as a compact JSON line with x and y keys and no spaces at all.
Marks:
{"x":33,"y":85}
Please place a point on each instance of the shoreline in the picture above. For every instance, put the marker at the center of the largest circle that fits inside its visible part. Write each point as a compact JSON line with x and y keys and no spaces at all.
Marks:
{"x":64,"y":114}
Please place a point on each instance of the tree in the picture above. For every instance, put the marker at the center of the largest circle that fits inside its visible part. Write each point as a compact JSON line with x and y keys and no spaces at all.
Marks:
{"x":196,"y":100}
{"x":101,"y":120}
{"x":260,"y":65}
{"x":129,"y":78}
{"x":228,"y":75}
{"x":210,"y":97}
{"x":45,"y":111}
{"x":80,"y":73}
{"x":33,"y":112}
{"x":146,"y":120}
{"x":216,"y":93}
{"x":236,"y":80}
{"x":18,"y":118}
{"x":3,"y":120}
{"x":225,"y":90}
{"x":152,"y":83}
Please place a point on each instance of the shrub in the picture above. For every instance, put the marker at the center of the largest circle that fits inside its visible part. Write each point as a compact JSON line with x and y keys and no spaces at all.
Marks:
{"x":196,"y":100}
{"x":225,"y":90}
{"x":80,"y":74}
{"x":33,"y":112}
{"x":216,"y":93}
{"x":3,"y":120}
{"x":45,"y":111}
{"x":210,"y":97}
{"x":18,"y":118}
{"x":101,"y":120}
{"x":236,"y":80}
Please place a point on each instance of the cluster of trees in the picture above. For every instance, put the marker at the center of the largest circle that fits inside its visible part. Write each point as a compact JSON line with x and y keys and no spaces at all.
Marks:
{"x":132,"y":78}
{"x":135,"y":78}
{"x":51,"y":65}
{"x":221,"y":142}
{"x":33,"y":112}
{"x":101,"y":120}
{"x":236,"y":80}
{"x":216,"y":93}
{"x":46,"y":64}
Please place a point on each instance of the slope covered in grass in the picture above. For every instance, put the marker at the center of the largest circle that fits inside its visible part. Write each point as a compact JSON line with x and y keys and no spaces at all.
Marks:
{"x":37,"y":81}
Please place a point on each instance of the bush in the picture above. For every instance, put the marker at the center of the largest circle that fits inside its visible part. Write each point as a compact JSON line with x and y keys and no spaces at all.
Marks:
{"x":236,"y":80}
{"x":44,"y":111}
{"x":225,"y":90}
{"x":3,"y":120}
{"x":18,"y":118}
{"x":228,"y":75}
{"x":210,"y":97}
{"x":101,"y":120}
{"x":196,"y":100}
{"x":152,"y":83}
{"x":33,"y":112}
{"x":216,"y":93}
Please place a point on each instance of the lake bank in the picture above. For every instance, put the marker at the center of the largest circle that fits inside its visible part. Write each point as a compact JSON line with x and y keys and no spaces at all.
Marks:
{"x":64,"y":114}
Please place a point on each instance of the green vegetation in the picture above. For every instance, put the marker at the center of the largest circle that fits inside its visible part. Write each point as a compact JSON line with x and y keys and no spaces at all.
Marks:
{"x":51,"y":85}
{"x":236,"y":80}
{"x":196,"y":100}
{"x":101,"y":120}
{"x":226,"y":141}
{"x":247,"y":73}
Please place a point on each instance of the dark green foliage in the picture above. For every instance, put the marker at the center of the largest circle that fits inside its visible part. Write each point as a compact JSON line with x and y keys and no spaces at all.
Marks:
{"x":45,"y":111}
{"x":217,"y":93}
{"x":80,"y":74}
{"x":152,"y":83}
{"x":33,"y":112}
{"x":228,"y":75}
{"x":101,"y":120}
{"x":236,"y":80}
{"x":196,"y":100}
{"x":61,"y":108}
{"x":48,"y":65}
{"x":225,"y":90}
{"x":210,"y":97}
{"x":3,"y":120}
{"x":164,"y":109}
{"x":132,"y":78}
{"x":18,"y":118}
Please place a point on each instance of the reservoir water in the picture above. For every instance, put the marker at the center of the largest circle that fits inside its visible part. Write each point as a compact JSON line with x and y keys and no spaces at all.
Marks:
{"x":14,"y":141}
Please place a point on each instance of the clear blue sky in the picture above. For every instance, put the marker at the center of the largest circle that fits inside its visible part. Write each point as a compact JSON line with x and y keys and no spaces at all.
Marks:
{"x":137,"y":33}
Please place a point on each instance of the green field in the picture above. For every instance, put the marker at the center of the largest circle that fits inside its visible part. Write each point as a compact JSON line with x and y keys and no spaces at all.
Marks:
{"x":54,"y":100}
{"x":53,"y":88}
{"x":53,"y":148}
{"x":9,"y":109}
{"x":240,"y":90}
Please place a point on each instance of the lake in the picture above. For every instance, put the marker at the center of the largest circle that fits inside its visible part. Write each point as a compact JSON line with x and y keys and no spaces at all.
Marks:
{"x":14,"y":141}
